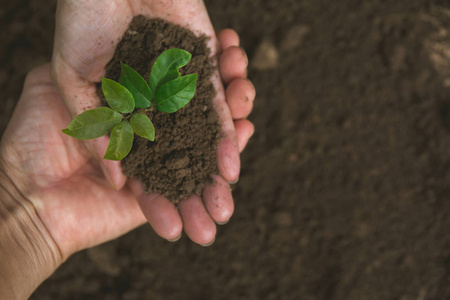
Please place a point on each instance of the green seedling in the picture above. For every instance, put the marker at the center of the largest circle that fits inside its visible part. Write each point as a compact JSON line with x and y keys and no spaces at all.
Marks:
{"x":167,"y":91}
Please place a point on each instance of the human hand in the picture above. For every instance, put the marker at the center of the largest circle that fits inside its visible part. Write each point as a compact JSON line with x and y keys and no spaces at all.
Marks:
{"x":86,"y":36}
{"x":54,"y":199}
{"x":58,"y":175}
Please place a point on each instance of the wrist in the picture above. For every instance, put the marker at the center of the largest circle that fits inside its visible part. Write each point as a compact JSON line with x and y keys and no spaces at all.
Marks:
{"x":28,"y":254}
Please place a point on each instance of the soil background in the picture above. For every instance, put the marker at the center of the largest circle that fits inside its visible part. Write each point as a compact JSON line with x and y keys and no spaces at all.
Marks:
{"x":344,"y":191}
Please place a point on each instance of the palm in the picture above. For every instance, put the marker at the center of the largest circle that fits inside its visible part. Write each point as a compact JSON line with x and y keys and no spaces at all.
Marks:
{"x":65,"y":185}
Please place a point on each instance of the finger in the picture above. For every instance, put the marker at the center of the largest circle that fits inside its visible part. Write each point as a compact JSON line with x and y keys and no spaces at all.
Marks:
{"x":240,"y":95}
{"x":218,"y":200}
{"x":78,"y":99}
{"x":233,"y":64}
{"x":162,"y":216}
{"x":244,"y":131}
{"x":228,"y":160}
{"x":198,"y":225}
{"x":227,"y":38}
{"x":112,"y":170}
{"x":159,"y":212}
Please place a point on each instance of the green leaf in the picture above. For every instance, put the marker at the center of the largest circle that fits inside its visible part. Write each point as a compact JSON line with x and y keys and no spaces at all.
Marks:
{"x":117,"y":96}
{"x":171,"y":75}
{"x":166,"y":67}
{"x":137,"y":85}
{"x":176,"y":94}
{"x":143,"y":126}
{"x":121,"y":141}
{"x":93,"y":123}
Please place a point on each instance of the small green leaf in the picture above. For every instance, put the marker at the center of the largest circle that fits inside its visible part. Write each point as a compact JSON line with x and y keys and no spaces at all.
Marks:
{"x":176,"y":94}
{"x":137,"y":85}
{"x":121,"y":141}
{"x":93,"y":123}
{"x":171,"y":75}
{"x":117,"y":96}
{"x":166,"y":67}
{"x":143,"y":126}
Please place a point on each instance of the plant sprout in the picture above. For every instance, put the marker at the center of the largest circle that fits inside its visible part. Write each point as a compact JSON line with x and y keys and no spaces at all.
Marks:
{"x":167,"y":91}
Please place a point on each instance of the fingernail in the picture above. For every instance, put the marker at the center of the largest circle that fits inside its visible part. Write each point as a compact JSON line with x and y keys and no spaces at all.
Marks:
{"x":245,"y":54}
{"x":223,"y":223}
{"x":210,"y":243}
{"x":175,"y":239}
{"x":234,"y":181}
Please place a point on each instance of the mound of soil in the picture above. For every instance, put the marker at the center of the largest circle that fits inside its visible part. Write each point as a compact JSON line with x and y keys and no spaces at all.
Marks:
{"x":183,"y":155}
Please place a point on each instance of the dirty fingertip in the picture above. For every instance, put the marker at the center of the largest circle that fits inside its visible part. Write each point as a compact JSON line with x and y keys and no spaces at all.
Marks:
{"x":219,"y":200}
{"x":176,"y":239}
{"x":210,"y":243}
{"x":228,"y":160}
{"x":234,"y":181}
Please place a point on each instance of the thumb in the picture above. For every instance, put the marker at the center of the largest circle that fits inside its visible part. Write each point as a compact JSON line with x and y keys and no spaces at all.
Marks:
{"x":112,"y":170}
{"x":80,"y":95}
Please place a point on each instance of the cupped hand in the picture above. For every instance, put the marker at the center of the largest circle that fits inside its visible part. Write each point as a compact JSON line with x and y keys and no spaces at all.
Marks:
{"x":87,"y":33}
{"x":58,"y":176}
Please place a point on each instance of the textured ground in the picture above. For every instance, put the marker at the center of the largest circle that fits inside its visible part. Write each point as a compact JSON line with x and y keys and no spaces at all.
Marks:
{"x":345,"y":187}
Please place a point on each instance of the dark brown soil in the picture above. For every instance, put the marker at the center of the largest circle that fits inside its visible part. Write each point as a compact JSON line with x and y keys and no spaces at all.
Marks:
{"x":183,"y":155}
{"x":345,"y":188}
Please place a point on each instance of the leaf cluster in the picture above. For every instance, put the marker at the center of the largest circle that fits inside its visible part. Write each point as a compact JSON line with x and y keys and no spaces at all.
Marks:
{"x":166,"y":90}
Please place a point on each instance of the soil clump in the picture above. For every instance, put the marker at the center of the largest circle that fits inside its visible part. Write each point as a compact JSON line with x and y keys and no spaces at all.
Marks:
{"x":183,"y":155}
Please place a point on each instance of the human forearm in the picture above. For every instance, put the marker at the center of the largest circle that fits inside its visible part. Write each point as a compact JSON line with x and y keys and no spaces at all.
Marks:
{"x":28,"y":254}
